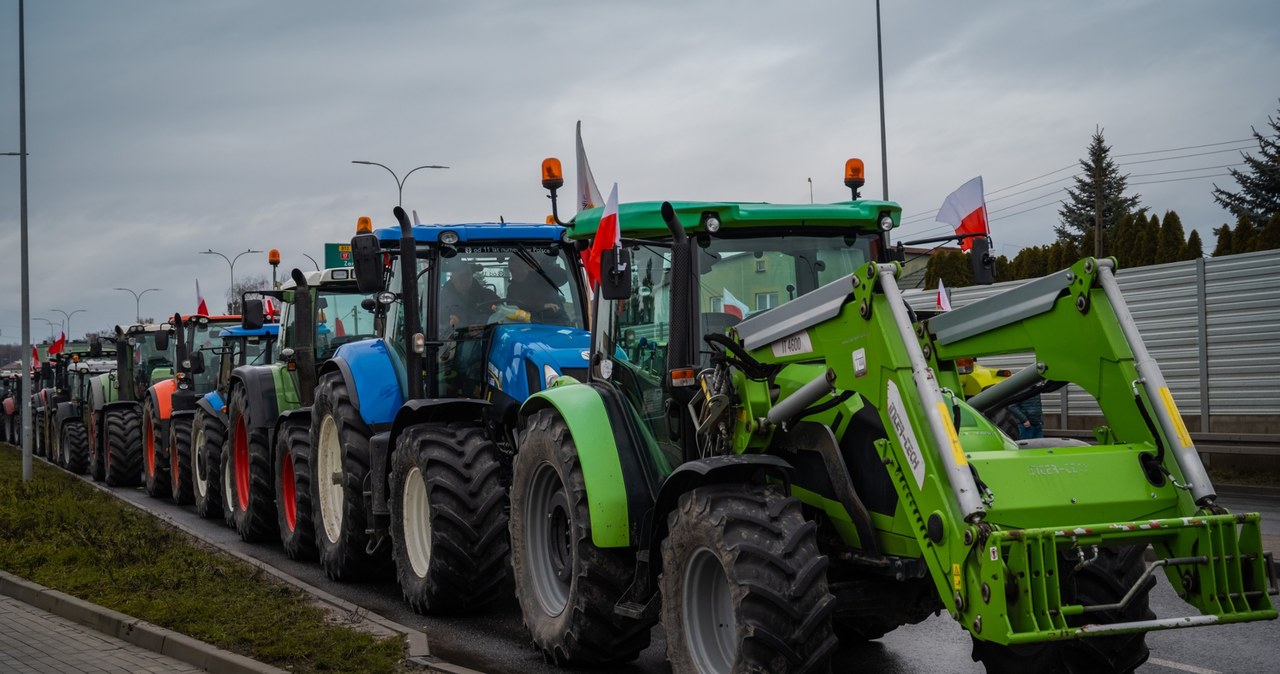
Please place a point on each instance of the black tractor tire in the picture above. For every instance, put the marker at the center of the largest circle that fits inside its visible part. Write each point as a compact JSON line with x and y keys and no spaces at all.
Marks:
{"x":1103,"y":581}
{"x":293,"y":490}
{"x":448,"y":517}
{"x":97,"y":462}
{"x":339,"y":461}
{"x":180,"y":458}
{"x":75,"y":447}
{"x":566,"y":586}
{"x":122,"y":434}
{"x":207,"y":435}
{"x":744,"y":586}
{"x":155,"y":464}
{"x":55,"y":449}
{"x":254,"y":494}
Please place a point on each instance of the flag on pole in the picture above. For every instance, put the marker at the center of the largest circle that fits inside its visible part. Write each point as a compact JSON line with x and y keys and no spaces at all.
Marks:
{"x":608,"y":235}
{"x":202,"y":309}
{"x":58,"y":344}
{"x":339,"y":330}
{"x":944,"y":302}
{"x":966,"y":210}
{"x":269,"y":307}
{"x":733,"y":306}
{"x":588,"y":193}
{"x":35,"y":358}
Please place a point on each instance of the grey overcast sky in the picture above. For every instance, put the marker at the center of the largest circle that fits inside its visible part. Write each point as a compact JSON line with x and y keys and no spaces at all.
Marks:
{"x":160,"y":128}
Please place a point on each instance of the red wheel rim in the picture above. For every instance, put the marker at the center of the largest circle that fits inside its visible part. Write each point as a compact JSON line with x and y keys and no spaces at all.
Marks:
{"x":150,"y":442}
{"x":290,"y":497}
{"x":242,"y":464}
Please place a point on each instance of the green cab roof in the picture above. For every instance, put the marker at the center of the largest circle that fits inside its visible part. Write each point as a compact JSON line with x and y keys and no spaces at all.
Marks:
{"x":643,"y":219}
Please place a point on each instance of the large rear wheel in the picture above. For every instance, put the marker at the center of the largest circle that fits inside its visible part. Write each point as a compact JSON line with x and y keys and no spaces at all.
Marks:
{"x":744,"y":587}
{"x":567,"y":587}
{"x":123,"y":452}
{"x":180,"y":458}
{"x":97,"y":459}
{"x":255,"y":508}
{"x":448,"y":517}
{"x":74,"y":442}
{"x":293,"y":490}
{"x":1104,"y":580}
{"x":340,"y":461}
{"x":207,"y":434}
{"x":155,"y":466}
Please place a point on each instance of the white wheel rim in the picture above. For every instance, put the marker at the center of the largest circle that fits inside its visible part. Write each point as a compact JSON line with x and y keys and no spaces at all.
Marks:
{"x":710,"y":626}
{"x":547,"y":529}
{"x":225,"y":466}
{"x":198,"y":470}
{"x":329,"y":458}
{"x":417,"y":523}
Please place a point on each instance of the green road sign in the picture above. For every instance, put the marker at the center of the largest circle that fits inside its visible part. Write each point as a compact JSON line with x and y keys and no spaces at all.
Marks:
{"x":337,"y":255}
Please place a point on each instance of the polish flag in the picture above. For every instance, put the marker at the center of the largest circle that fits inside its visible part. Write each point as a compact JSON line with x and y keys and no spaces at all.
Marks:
{"x":944,"y":302}
{"x":608,"y":235}
{"x":35,"y":358}
{"x":338,"y":329}
{"x":202,"y":309}
{"x":966,"y":210}
{"x":270,"y":307}
{"x":588,"y":193}
{"x":733,"y":306}
{"x":58,"y":344}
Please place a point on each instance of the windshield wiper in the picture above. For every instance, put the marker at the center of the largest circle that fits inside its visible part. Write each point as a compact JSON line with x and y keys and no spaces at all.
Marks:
{"x":528,"y":259}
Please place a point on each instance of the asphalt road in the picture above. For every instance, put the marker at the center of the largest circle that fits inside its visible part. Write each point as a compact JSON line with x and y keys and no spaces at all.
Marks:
{"x":497,"y":642}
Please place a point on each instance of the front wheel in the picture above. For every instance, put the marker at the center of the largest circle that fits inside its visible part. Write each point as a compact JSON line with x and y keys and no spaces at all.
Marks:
{"x":293,"y":491}
{"x":207,"y":434}
{"x":123,"y":451}
{"x":97,"y":460}
{"x":1104,"y":580}
{"x":180,"y":458}
{"x":340,"y":461}
{"x":74,"y":442}
{"x":255,"y":508}
{"x":448,"y":517}
{"x":155,"y":468}
{"x":567,"y":587}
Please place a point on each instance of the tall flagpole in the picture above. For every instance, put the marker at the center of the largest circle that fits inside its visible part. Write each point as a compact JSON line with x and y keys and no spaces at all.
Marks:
{"x":26,"y":288}
{"x":884,"y":152}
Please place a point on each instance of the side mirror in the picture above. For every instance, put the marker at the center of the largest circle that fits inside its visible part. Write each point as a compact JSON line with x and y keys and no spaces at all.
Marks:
{"x":984,"y":268}
{"x":367,"y":259}
{"x":197,"y":359}
{"x":162,"y":340}
{"x":251,"y":315}
{"x":95,"y":348}
{"x":615,"y":274}
{"x":368,"y":304}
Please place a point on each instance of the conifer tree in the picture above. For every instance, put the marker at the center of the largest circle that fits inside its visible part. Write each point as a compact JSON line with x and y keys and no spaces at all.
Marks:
{"x":1225,"y":243}
{"x":1242,"y":236}
{"x":1194,"y":249}
{"x":1268,"y":237}
{"x":1099,"y":183}
{"x":1259,"y":195}
{"x":1171,"y":241}
{"x":1121,"y":244}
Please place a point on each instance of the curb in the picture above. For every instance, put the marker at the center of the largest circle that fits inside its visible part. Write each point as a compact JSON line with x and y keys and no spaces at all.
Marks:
{"x":127,"y":628}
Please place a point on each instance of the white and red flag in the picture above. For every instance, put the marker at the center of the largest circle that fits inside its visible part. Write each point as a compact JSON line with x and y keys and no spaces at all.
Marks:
{"x":733,"y":306}
{"x":588,"y":193}
{"x":944,"y":302}
{"x":35,"y":358}
{"x":58,"y":344}
{"x":608,"y":236}
{"x":202,"y":309}
{"x":966,"y":210}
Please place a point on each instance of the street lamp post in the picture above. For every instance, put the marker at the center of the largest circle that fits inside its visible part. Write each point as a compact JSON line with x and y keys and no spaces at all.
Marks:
{"x":68,"y":317}
{"x":399,"y":181}
{"x":137,"y":301}
{"x":51,"y":324}
{"x":313,"y":261}
{"x":232,"y":263}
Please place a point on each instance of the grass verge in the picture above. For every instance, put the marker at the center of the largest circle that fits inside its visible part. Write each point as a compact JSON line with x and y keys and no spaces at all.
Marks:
{"x":62,"y":533}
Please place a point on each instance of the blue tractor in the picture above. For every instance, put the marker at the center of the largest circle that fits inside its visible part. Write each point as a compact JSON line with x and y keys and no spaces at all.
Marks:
{"x":413,"y":434}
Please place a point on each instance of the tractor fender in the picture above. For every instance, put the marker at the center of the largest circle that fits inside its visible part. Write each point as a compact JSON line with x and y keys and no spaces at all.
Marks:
{"x":375,"y":385}
{"x":436,"y":410}
{"x":617,"y":498}
{"x":65,"y":411}
{"x":162,"y":397}
{"x":212,"y":404}
{"x":121,"y":404}
{"x":260,"y":394}
{"x":302,"y":414}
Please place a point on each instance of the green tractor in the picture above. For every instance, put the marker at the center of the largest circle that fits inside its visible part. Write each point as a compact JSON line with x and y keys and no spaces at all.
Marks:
{"x":771,"y":456}
{"x":114,"y":410}
{"x":269,"y":409}
{"x":71,"y":416}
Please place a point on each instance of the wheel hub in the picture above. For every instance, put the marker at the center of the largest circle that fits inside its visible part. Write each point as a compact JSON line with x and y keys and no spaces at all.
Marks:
{"x":710,"y":626}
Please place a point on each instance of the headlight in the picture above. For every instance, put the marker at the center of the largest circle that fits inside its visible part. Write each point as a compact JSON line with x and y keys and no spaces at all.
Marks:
{"x":448,"y":237}
{"x":886,"y":223}
{"x":549,"y":375}
{"x":386,"y":297}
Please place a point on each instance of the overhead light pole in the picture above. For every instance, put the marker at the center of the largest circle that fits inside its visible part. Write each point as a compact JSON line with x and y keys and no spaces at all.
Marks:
{"x":399,"y":181}
{"x":137,"y":301}
{"x":68,"y":317}
{"x":51,"y":324}
{"x":884,"y":152}
{"x":232,"y":263}
{"x":313,"y":261}
{"x":26,"y":273}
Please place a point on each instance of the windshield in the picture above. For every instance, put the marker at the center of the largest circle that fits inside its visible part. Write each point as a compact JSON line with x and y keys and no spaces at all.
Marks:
{"x":340,"y":319}
{"x":508,"y":283}
{"x":203,"y":337}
